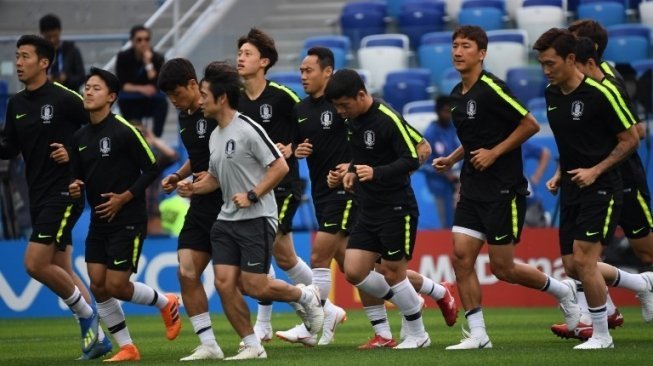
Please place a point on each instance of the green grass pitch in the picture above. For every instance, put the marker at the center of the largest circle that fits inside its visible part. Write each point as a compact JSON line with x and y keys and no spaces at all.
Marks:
{"x":519,"y":336}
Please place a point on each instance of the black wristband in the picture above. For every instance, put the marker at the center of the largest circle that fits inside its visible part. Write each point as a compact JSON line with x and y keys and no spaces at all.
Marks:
{"x":178,"y":176}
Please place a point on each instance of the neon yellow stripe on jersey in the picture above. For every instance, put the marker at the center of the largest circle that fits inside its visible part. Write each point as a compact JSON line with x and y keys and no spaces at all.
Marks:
{"x":414,"y":134}
{"x":139,"y":136}
{"x":622,"y":103}
{"x":287,"y":90}
{"x":610,"y":97}
{"x":515,"y":104}
{"x":606,"y":69}
{"x":70,"y":90}
{"x":401,"y":127}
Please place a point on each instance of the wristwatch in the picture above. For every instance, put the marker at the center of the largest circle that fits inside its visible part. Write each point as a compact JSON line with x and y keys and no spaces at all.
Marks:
{"x":252,"y":197}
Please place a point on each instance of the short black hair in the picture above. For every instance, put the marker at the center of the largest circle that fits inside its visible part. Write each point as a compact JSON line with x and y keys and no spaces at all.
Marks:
{"x":110,"y":79}
{"x":592,"y":29}
{"x":263,"y":43}
{"x":137,"y":28}
{"x":560,"y":39}
{"x":223,"y":78}
{"x":324,"y":56}
{"x":473,"y":33}
{"x":586,"y":50}
{"x":49,"y":22}
{"x":442,"y":102}
{"x":44,"y":49}
{"x":176,"y":72}
{"x":344,"y":83}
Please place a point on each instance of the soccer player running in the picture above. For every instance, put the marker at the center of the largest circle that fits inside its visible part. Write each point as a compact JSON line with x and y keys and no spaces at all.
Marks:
{"x":40,"y":122}
{"x":383,"y":155}
{"x":593,"y":136}
{"x":635,"y":216}
{"x":113,"y":164}
{"x":247,"y":165}
{"x":270,"y":105}
{"x":491,"y":126}
{"x":179,"y":81}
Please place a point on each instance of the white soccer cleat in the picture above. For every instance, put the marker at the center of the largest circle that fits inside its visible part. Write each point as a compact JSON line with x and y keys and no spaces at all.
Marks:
{"x":249,"y":353}
{"x":402,"y":332}
{"x":332,"y":318}
{"x":314,"y":311}
{"x":263,"y":331}
{"x":646,"y":297}
{"x":205,"y":352}
{"x":596,"y":343}
{"x":298,"y":334}
{"x":412,"y":342}
{"x":569,"y":305}
{"x":471,"y":342}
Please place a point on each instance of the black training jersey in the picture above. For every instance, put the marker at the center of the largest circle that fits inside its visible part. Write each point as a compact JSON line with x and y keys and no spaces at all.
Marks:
{"x":35,"y":119}
{"x":381,"y":139}
{"x":632,"y":169}
{"x":585,"y":124}
{"x":195,"y":131}
{"x":273,"y":110}
{"x":319,"y":122}
{"x":113,"y":157}
{"x":484,"y":117}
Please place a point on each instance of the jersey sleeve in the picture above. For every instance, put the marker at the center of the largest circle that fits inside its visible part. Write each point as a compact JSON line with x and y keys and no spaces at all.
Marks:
{"x":140,"y":150}
{"x":613,"y":115}
{"x":76,"y":168}
{"x":403,"y":144}
{"x":622,"y":98}
{"x":8,"y":137}
{"x":504,"y":104}
{"x":261,"y":146}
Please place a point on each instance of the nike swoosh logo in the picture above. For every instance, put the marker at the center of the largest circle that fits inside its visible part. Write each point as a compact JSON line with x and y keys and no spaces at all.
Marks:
{"x":393,"y":253}
{"x":302,"y":120}
{"x":638,"y":230}
{"x":326,"y":224}
{"x":484,"y":344}
{"x":454,"y":108}
{"x":82,"y":148}
{"x":589,"y":233}
{"x":253,"y":264}
{"x":117,"y":262}
{"x":550,"y":108}
{"x":182,"y":130}
{"x":41,"y":236}
{"x":500,"y":237}
{"x":19,"y":116}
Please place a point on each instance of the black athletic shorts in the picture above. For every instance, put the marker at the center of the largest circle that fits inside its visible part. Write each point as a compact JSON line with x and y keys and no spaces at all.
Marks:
{"x":287,"y":205}
{"x":590,"y":221}
{"x":635,"y":218}
{"x":246,"y":244}
{"x":497,"y":222}
{"x":119,"y":248}
{"x":393,"y":237}
{"x":335,"y":216}
{"x":196,"y":232}
{"x":53,"y":222}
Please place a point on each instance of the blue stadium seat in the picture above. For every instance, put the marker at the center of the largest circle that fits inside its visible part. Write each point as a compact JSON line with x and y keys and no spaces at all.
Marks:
{"x":363,"y":18}
{"x":434,"y":53}
{"x":4,"y":98}
{"x":339,"y":45}
{"x":498,"y":4}
{"x":526,"y":82}
{"x":421,"y":74}
{"x":405,"y":86}
{"x":537,"y":107}
{"x":627,"y":43}
{"x":487,"y":14}
{"x":450,"y":78}
{"x":606,"y":12}
{"x":420,"y":106}
{"x":557,"y":3}
{"x":417,"y":18}
{"x":641,"y":66}
{"x":291,"y":79}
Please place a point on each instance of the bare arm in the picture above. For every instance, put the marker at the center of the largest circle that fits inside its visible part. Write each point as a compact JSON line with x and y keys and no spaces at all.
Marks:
{"x":423,"y":151}
{"x":541,"y":166}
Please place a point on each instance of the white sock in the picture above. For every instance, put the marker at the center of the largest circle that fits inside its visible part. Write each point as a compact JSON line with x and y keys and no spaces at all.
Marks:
{"x":264,"y":314}
{"x":300,"y":273}
{"x":582,"y":303}
{"x":599,"y":322}
{"x":407,"y":300}
{"x":610,"y":306}
{"x":633,"y":282}
{"x":375,"y":285}
{"x":78,"y":304}
{"x":202,"y":327}
{"x":252,"y":340}
{"x":145,"y":295}
{"x":430,"y":288}
{"x":113,"y":317}
{"x":378,"y":317}
{"x":555,"y":288}
{"x":476,"y":322}
{"x":322,"y":279}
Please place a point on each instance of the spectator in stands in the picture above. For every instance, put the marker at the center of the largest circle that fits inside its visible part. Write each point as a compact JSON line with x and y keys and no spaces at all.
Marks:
{"x":68,"y":66}
{"x":536,"y":216}
{"x":441,"y":134}
{"x":137,"y":68}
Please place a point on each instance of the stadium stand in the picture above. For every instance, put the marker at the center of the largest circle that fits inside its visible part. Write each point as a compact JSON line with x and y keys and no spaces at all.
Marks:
{"x":434,"y":53}
{"x":381,"y":54}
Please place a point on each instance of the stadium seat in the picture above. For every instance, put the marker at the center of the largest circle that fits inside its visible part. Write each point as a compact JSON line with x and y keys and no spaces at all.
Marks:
{"x":291,"y":79}
{"x":526,"y":82}
{"x":537,"y":19}
{"x":450,"y":78}
{"x":453,"y":8}
{"x":381,"y":54}
{"x":419,"y":17}
{"x":506,"y":49}
{"x":363,"y":18}
{"x":512,"y":6}
{"x":4,"y":98}
{"x":339,"y":45}
{"x":537,"y":107}
{"x":606,"y":12}
{"x":486,"y":14}
{"x":627,"y":43}
{"x":420,"y":114}
{"x":434,"y":53}
{"x":646,"y":13}
{"x":405,"y":86}
{"x":641,"y":66}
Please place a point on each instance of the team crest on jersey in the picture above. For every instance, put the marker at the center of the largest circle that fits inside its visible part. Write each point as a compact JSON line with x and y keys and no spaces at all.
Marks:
{"x":200,"y":126}
{"x":266,"y":112}
{"x":326,"y":118}
{"x":105,"y":146}
{"x":47,"y":113}
{"x":577,"y":109}
{"x":230,"y":148}
{"x":471,"y":109}
{"x":369,"y":138}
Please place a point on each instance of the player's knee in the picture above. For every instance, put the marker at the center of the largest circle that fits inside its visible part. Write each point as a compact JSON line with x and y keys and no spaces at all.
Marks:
{"x":32,"y":268}
{"x":462,"y":264}
{"x":187,"y":275}
{"x":118,"y":290}
{"x":503,"y":273}
{"x":285,"y":262}
{"x":354,"y":276}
